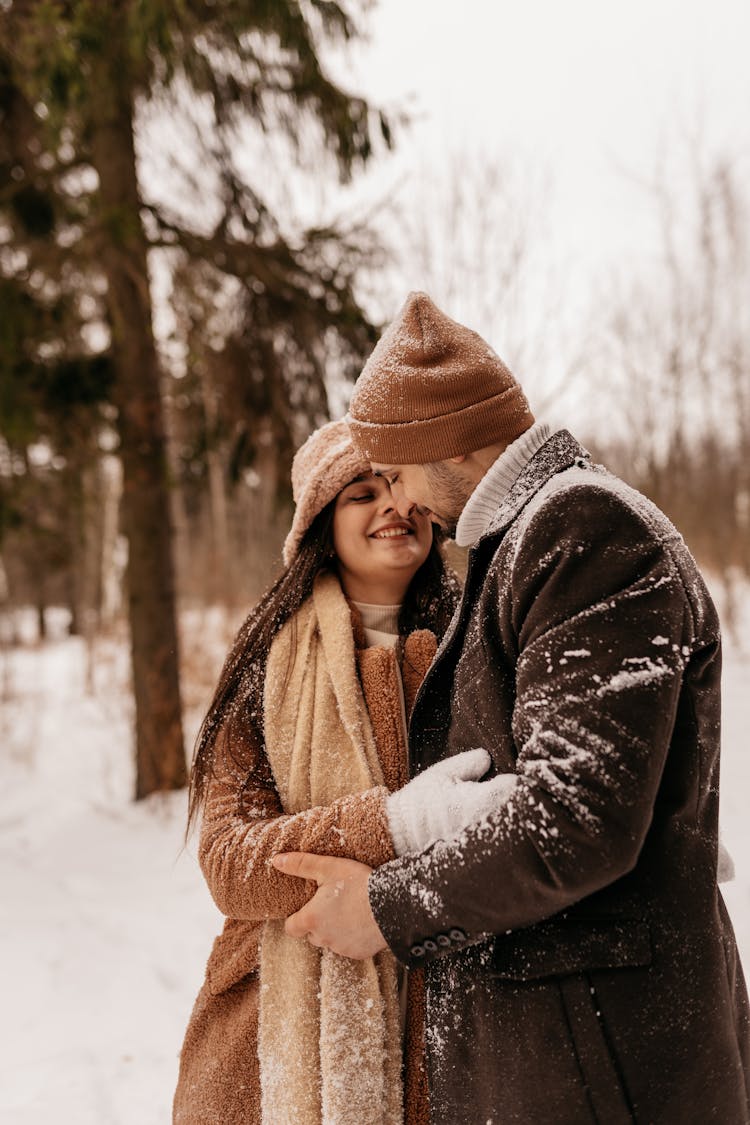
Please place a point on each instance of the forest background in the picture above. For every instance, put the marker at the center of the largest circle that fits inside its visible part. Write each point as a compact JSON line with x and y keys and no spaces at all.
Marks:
{"x":186,"y":293}
{"x":207,"y":213}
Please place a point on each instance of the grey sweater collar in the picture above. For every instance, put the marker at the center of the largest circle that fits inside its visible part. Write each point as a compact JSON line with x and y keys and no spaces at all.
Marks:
{"x":497,"y":482}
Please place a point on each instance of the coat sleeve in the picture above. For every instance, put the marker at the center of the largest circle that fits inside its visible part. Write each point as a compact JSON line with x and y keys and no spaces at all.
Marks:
{"x":243,"y":827}
{"x":598,"y":615}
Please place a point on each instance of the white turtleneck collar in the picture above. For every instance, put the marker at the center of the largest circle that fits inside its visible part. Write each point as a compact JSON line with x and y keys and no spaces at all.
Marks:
{"x":497,"y":483}
{"x":380,"y":623}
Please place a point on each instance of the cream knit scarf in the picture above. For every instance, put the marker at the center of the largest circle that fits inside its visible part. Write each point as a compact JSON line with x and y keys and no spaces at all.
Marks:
{"x":329,"y":1034}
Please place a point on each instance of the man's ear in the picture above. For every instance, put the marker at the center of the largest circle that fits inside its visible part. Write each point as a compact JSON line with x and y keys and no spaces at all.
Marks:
{"x":458,"y":459}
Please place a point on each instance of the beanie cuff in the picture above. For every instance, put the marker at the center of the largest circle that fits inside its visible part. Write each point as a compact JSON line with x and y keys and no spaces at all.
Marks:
{"x":500,"y":418}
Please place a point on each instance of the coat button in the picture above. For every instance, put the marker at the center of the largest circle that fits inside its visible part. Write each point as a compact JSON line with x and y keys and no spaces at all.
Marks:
{"x":457,"y":935}
{"x":417,"y":950}
{"x":443,"y":940}
{"x":430,"y":945}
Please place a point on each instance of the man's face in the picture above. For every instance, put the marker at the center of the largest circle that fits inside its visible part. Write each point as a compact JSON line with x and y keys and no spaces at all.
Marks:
{"x":438,"y":490}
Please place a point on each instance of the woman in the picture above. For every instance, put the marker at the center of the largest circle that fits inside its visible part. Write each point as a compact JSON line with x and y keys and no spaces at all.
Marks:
{"x":304,"y":738}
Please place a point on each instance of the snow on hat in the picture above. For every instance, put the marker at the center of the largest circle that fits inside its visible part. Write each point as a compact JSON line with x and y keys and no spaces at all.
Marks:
{"x":433,"y":389}
{"x":325,"y":464}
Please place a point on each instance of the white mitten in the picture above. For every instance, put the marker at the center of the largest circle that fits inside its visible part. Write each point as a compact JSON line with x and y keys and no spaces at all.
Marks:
{"x":445,"y":799}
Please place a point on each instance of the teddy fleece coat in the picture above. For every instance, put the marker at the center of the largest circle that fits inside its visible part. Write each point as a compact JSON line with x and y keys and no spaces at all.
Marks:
{"x":580,"y":964}
{"x":243,"y":827}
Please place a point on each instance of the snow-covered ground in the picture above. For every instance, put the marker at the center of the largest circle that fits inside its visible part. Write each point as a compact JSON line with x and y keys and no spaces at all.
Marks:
{"x":105,"y":922}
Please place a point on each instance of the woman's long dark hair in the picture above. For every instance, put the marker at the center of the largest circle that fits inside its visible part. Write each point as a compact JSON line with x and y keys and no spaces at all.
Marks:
{"x":237,"y":705}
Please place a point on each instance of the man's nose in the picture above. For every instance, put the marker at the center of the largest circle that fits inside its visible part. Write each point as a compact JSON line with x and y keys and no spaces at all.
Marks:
{"x":404,"y":506}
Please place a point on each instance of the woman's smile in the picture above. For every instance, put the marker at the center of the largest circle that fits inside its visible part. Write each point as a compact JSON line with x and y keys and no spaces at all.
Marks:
{"x":393,"y":531}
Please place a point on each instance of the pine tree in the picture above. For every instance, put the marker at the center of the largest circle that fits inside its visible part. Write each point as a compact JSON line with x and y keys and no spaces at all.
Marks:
{"x":53,"y":384}
{"x":89,"y":68}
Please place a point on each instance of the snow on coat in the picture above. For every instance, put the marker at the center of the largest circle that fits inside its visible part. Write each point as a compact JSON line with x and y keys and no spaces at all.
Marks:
{"x":580,"y":963}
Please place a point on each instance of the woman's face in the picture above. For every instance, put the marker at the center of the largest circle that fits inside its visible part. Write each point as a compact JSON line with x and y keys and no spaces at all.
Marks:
{"x":378,"y":550}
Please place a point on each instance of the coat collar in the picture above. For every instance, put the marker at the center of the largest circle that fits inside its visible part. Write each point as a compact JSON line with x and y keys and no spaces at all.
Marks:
{"x":559,"y":452}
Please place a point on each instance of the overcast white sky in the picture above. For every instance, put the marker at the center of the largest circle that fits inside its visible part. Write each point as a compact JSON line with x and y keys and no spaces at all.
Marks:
{"x":577,"y":95}
{"x":582,"y":95}
{"x":585,"y":87}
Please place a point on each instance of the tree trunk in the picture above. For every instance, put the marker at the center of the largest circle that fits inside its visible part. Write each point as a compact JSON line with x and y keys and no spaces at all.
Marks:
{"x":182,"y":546}
{"x":160,"y":754}
{"x":41,"y":620}
{"x":221,"y":590}
{"x":111,"y":477}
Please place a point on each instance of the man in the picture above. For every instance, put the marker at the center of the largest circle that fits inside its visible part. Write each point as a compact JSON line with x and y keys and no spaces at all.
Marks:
{"x":580,"y":963}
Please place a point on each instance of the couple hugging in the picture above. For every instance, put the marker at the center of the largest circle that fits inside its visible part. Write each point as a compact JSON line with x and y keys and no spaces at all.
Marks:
{"x":466,"y":841}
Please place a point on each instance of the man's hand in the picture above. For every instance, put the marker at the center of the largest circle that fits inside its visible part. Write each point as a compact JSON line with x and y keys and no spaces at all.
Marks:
{"x":338,"y":916}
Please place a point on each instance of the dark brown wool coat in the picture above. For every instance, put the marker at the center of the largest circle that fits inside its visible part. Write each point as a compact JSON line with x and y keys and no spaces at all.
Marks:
{"x":598,"y":978}
{"x":242,"y":828}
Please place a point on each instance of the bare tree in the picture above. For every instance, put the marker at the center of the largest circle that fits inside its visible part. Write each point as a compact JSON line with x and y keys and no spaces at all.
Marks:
{"x":676,"y":352}
{"x":476,"y":238}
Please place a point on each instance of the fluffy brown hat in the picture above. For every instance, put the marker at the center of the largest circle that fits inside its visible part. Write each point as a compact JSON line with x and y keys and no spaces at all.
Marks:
{"x":325,"y":464}
{"x":433,"y":389}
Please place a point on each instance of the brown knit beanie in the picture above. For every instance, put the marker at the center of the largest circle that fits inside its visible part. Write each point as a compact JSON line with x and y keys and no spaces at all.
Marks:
{"x":433,"y":389}
{"x":325,"y":464}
